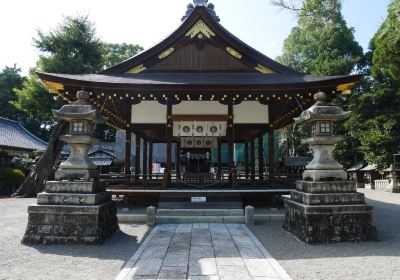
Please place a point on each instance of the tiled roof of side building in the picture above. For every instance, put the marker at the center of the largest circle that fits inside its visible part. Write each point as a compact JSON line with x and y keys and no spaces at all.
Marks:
{"x":14,"y":135}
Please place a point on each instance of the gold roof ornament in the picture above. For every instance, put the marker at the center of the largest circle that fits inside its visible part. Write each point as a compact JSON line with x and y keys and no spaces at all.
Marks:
{"x":54,"y":87}
{"x":234,"y":53}
{"x":345,"y":88}
{"x":264,"y":69}
{"x":200,"y":27}
{"x":137,"y":69}
{"x":166,"y":53}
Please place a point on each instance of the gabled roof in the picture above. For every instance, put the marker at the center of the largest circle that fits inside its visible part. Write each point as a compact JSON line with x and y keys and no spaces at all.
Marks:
{"x":201,"y":28}
{"x":14,"y":136}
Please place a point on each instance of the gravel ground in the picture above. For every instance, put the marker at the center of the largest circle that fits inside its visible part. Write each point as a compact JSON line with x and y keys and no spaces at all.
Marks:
{"x":60,"y":262}
{"x":345,"y":261}
{"x":370,"y":260}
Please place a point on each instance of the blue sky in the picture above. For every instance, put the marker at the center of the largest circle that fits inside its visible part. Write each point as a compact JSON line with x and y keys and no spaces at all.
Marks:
{"x":146,"y":22}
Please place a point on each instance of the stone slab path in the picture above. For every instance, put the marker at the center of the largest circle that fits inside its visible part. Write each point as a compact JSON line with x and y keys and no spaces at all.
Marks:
{"x":202,"y":251}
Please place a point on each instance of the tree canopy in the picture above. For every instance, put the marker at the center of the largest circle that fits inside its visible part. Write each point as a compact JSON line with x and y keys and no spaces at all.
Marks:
{"x":321,"y":43}
{"x":386,"y":45}
{"x":71,"y":48}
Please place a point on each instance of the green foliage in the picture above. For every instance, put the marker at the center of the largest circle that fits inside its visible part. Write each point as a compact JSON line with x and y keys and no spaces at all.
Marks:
{"x":10,"y":78}
{"x":374,"y":125}
{"x":116,"y":53}
{"x":290,"y":141}
{"x":71,"y":48}
{"x":11,"y":178}
{"x":321,"y":44}
{"x":386,"y":45}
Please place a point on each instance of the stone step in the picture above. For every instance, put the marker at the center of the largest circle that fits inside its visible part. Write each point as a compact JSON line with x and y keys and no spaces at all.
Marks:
{"x":200,"y":212}
{"x":199,"y":219}
{"x":200,"y":205}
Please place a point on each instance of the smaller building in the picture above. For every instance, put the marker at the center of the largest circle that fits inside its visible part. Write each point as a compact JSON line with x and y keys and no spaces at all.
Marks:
{"x":15,"y":139}
{"x":294,"y":165}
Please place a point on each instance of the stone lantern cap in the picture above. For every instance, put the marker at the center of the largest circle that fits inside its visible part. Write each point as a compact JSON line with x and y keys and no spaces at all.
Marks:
{"x":80,"y":109}
{"x":322,"y":110}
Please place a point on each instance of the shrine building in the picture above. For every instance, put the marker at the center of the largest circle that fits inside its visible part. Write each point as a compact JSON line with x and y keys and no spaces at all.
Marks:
{"x":197,"y":90}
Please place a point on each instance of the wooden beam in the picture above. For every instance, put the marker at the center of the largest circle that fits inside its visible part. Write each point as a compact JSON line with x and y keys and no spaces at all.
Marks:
{"x":253,"y":159}
{"x":219,"y":156}
{"x":246,"y":159}
{"x":214,"y":118}
{"x":137,"y":157}
{"x":261,"y":157}
{"x":230,"y":141}
{"x":150,"y":158}
{"x":128,"y":152}
{"x":271,"y":160}
{"x":178,"y":160}
{"x":168,"y":164}
{"x":145,"y":159}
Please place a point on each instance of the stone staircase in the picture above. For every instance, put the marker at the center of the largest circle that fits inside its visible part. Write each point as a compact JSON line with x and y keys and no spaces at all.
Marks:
{"x":218,"y":208}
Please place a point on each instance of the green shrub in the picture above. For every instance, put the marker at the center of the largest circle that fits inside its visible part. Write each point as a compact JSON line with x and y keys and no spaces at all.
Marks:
{"x":10,"y":178}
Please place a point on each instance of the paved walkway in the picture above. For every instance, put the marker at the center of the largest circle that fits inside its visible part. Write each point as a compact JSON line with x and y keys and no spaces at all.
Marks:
{"x":202,"y":251}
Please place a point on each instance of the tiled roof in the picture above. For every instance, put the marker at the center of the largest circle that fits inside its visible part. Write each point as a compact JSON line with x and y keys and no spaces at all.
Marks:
{"x":296,"y":161}
{"x":100,"y":146}
{"x":105,"y":146}
{"x":101,"y":161}
{"x":14,"y":136}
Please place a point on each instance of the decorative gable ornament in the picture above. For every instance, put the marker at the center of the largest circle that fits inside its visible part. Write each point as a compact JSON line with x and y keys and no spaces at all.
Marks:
{"x":200,"y":27}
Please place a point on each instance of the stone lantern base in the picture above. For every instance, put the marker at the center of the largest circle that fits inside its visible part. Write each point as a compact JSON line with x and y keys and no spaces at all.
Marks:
{"x":71,"y":212}
{"x":323,"y":212}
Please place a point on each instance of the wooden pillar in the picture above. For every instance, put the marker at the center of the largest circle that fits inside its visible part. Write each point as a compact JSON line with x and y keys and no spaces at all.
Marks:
{"x":178,"y":160}
{"x":168,"y":167}
{"x":128,"y":152}
{"x":230,"y":141}
{"x":246,"y":159}
{"x":150,"y":159}
{"x":261,"y":157}
{"x":145,"y":158}
{"x":253,"y":159}
{"x":137,"y":158}
{"x":219,"y":156}
{"x":271,"y":150}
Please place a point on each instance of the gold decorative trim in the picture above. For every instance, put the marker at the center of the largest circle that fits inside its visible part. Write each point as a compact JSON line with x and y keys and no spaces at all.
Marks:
{"x":200,"y":27}
{"x":233,"y":52}
{"x":264,"y":69}
{"x":345,"y":88}
{"x":137,"y":69}
{"x":166,"y":53}
{"x":54,"y":87}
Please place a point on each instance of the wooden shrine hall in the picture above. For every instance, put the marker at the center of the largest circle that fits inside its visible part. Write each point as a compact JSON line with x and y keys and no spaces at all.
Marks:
{"x":199,"y":88}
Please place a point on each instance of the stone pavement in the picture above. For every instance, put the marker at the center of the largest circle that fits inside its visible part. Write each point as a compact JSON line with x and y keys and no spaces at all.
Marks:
{"x":202,"y":251}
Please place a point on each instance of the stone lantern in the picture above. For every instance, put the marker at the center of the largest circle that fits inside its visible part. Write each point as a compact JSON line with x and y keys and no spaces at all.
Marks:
{"x":326,"y":207}
{"x":74,"y":209}
{"x":82,"y":117}
{"x":321,"y":118}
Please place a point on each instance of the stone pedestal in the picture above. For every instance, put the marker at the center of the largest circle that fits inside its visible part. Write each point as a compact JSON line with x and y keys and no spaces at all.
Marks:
{"x":321,"y":212}
{"x":71,"y":212}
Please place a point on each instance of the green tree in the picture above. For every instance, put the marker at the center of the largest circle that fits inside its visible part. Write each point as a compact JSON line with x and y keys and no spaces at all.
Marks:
{"x":321,"y":43}
{"x":10,"y":78}
{"x":374,"y":125}
{"x":116,"y":53}
{"x":71,"y":48}
{"x":386,"y":44}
